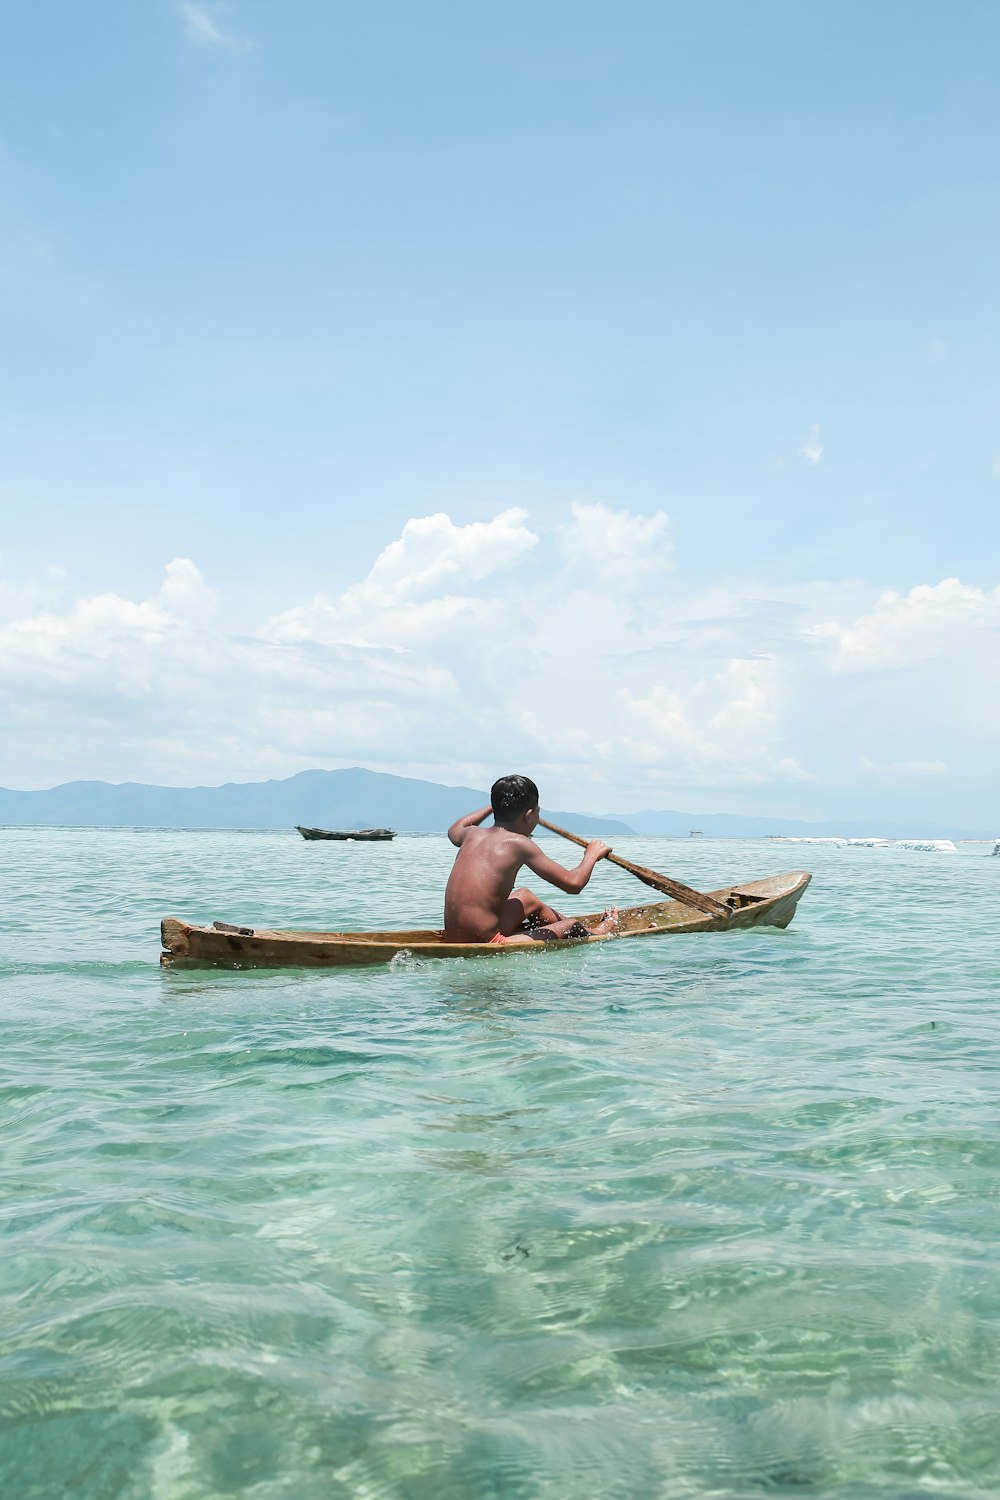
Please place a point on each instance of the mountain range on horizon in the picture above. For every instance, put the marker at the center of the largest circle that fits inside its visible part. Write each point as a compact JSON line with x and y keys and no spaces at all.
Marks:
{"x":358,"y":798}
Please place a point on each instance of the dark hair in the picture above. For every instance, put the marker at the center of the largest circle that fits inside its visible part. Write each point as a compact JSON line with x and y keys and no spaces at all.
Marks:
{"x":511,"y":796}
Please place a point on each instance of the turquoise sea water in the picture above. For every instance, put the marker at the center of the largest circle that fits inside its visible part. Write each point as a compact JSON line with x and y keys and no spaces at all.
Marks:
{"x":704,"y":1216}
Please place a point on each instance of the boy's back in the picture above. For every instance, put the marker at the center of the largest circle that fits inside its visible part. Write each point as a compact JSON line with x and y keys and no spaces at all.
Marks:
{"x":480,"y":903}
{"x":480,"y":883}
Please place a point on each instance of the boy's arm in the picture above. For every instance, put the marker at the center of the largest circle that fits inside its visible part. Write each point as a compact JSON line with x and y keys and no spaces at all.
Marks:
{"x":461,"y":826}
{"x":571,"y":881}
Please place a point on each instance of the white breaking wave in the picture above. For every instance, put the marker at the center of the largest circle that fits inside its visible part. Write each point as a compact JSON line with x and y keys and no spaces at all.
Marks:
{"x":933,"y":846}
{"x":930,"y":846}
{"x":789,"y":839}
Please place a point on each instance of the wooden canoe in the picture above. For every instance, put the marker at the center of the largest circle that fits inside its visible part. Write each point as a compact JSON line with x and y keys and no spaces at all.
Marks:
{"x":755,"y":903}
{"x":364,"y":835}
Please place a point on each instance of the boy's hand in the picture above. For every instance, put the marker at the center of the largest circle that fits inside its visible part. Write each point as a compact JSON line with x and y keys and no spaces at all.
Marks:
{"x":597,"y":849}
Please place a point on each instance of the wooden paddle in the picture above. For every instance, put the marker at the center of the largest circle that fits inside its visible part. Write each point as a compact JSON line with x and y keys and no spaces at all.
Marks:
{"x":650,"y":877}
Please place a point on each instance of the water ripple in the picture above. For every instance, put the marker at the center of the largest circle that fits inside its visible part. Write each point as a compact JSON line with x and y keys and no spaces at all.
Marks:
{"x":713,"y":1217}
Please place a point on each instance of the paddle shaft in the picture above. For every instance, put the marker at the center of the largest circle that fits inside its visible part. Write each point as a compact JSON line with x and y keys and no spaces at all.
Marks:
{"x":662,"y":883}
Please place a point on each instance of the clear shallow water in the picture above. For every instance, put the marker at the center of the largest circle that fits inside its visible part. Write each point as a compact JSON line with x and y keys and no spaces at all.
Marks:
{"x":696,"y":1217}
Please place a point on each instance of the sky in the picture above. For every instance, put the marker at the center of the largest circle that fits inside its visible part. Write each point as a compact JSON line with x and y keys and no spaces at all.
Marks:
{"x":610,"y":393}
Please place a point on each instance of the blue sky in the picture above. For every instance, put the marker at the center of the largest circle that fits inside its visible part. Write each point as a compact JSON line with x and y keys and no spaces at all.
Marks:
{"x":684,"y":318}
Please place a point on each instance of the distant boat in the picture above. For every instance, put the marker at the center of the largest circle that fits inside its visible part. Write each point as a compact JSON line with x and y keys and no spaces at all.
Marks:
{"x":696,"y":833}
{"x":365,"y":835}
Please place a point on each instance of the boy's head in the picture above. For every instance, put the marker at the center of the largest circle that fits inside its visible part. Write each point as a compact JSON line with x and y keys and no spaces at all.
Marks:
{"x":512,"y":796}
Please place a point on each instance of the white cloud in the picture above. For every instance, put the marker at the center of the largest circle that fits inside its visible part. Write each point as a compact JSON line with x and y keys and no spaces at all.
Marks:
{"x":903,"y":630}
{"x":425,"y":587}
{"x":812,"y":448}
{"x":465,"y":647}
{"x":114,"y":673}
{"x":714,"y":728}
{"x":433,"y":551}
{"x":31,"y":594}
{"x":904,"y":767}
{"x":184,"y":591}
{"x":446,"y":652}
{"x":203,"y":27}
{"x":613,"y":545}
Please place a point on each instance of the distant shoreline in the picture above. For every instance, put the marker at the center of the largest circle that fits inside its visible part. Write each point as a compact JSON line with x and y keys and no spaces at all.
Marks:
{"x":438,"y":833}
{"x":359,"y":798}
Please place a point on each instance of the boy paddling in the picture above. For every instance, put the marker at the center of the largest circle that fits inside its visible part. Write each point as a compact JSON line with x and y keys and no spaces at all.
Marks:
{"x":480,"y":903}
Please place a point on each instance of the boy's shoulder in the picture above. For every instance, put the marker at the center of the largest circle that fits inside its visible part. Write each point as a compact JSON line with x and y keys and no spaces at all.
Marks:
{"x":498,"y":834}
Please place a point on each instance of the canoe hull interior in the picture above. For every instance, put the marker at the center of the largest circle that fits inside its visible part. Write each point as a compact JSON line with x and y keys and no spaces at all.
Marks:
{"x":756,"y":903}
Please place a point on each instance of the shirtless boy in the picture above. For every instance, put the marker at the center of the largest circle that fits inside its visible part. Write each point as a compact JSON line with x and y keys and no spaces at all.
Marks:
{"x":480,"y":903}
